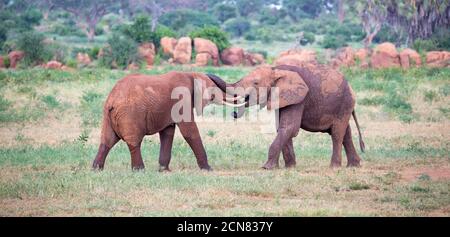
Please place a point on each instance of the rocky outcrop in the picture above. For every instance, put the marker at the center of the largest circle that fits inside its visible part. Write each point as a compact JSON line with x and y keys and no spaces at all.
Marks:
{"x":168,"y":45}
{"x":253,"y":59}
{"x":53,"y":65}
{"x":183,"y":51}
{"x":362,"y":58}
{"x":345,"y":57}
{"x":203,"y":59}
{"x":438,"y":59}
{"x":147,"y":52}
{"x":15,"y":57}
{"x":83,"y":59}
{"x":409,"y":58}
{"x":206,"y":50}
{"x":385,"y":55}
{"x":233,"y":56}
{"x":297,"y":57}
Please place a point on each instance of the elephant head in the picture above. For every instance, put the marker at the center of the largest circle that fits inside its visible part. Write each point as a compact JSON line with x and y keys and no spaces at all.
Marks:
{"x":266,"y":86}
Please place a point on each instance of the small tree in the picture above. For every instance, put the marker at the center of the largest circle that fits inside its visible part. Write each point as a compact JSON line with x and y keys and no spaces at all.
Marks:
{"x":214,"y":34}
{"x":121,"y":51}
{"x":32,"y":44}
{"x":87,"y":13}
{"x":238,"y":27}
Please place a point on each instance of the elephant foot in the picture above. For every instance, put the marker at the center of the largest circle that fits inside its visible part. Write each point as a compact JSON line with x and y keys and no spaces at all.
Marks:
{"x":270,"y":165}
{"x":207,"y":168}
{"x":96,"y":166}
{"x":335,"y":165}
{"x":164,"y":168}
{"x":353,"y":164}
{"x":138,"y":167}
{"x":290,"y":165}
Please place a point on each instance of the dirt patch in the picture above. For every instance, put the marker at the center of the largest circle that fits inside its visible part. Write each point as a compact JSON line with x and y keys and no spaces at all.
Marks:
{"x":434,"y":173}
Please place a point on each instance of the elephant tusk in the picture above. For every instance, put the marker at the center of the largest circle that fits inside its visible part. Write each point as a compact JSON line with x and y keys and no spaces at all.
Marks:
{"x":228,"y":99}
{"x":233,"y":105}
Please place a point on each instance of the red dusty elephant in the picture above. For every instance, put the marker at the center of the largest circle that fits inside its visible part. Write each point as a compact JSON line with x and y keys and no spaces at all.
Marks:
{"x":140,"y":105}
{"x":315,"y":98}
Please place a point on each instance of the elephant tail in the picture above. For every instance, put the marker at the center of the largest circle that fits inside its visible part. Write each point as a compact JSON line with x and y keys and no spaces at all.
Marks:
{"x":361,"y":142}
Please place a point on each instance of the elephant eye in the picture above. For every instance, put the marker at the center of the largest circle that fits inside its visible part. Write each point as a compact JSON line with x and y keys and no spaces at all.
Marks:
{"x":255,"y":83}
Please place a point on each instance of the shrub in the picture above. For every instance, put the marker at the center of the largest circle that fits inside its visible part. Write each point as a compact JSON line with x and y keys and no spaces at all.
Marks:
{"x":308,"y":38}
{"x":333,"y":41}
{"x":3,"y":35}
{"x":424,"y":45}
{"x":214,"y":34}
{"x":121,"y":51}
{"x":180,"y":19}
{"x":93,"y":53}
{"x":250,"y":36}
{"x":6,"y":61}
{"x":164,"y":31}
{"x":31,"y":43}
{"x":140,"y":30}
{"x":72,"y":63}
{"x":224,"y":12}
{"x":237,"y":27}
{"x":388,"y":34}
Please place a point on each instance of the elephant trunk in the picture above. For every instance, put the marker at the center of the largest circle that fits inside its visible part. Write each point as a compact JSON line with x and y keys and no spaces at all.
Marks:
{"x":222,"y":85}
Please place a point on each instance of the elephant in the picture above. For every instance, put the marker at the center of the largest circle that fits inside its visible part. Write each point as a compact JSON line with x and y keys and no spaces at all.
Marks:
{"x":315,"y":98}
{"x":140,"y":105}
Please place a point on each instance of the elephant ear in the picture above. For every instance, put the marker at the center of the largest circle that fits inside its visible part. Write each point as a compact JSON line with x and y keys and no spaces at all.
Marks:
{"x":287,"y":89}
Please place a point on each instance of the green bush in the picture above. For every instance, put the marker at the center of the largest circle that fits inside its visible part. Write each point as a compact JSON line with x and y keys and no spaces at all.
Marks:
{"x":6,"y":61}
{"x":140,"y":30}
{"x":164,"y":31}
{"x":424,"y":45}
{"x":237,"y":27}
{"x":333,"y":41}
{"x":214,"y":34}
{"x":224,"y":12}
{"x":121,"y":51}
{"x":32,"y":44}
{"x":250,"y":36}
{"x":183,"y":18}
{"x":93,"y":53}
{"x":3,"y":35}
{"x":308,"y":38}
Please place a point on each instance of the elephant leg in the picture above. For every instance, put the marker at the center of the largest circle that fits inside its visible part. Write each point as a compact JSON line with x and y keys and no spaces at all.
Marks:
{"x":165,"y":152}
{"x":353,"y":159}
{"x":289,"y":155}
{"x":289,"y":124}
{"x":337,"y":136}
{"x":190,"y":133}
{"x":136,"y":157}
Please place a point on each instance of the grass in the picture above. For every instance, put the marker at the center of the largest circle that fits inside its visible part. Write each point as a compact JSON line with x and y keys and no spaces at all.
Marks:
{"x":49,"y":121}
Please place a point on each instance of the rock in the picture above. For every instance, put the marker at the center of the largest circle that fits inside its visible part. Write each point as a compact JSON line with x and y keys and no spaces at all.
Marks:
{"x":409,"y":57}
{"x":168,"y":45}
{"x":15,"y":57}
{"x":361,"y":58}
{"x":147,"y":51}
{"x":385,"y":55}
{"x":345,"y":57}
{"x":203,"y":59}
{"x":252,"y":59}
{"x":83,"y":59}
{"x":203,"y":46}
{"x":297,"y":57}
{"x":53,"y":65}
{"x":183,"y":51}
{"x":67,"y":69}
{"x":133,"y":67}
{"x":233,"y":56}
{"x":438,"y":59}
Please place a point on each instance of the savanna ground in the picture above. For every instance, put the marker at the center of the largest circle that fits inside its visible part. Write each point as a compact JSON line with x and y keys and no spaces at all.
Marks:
{"x":49,"y":133}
